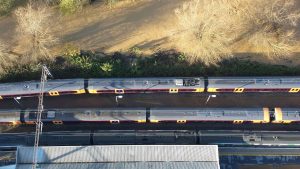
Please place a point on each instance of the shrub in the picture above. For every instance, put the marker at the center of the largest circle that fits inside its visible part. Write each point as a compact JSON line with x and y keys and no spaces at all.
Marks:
{"x":34,"y":26}
{"x":6,"y":6}
{"x":106,"y":68}
{"x":71,"y":6}
{"x":204,"y":30}
{"x":209,"y":30}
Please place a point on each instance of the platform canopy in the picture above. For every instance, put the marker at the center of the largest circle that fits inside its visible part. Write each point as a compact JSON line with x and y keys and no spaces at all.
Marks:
{"x":121,"y":157}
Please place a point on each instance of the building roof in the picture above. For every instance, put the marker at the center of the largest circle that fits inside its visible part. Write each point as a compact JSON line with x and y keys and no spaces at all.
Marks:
{"x":121,"y":156}
{"x":134,"y":165}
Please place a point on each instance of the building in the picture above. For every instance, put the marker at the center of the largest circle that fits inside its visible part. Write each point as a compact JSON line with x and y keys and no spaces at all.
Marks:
{"x":121,"y":157}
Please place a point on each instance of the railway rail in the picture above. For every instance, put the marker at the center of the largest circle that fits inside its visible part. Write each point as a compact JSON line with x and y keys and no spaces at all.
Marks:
{"x":222,"y":138}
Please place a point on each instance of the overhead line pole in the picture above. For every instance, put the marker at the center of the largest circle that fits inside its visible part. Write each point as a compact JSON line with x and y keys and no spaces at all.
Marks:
{"x":39,"y":123}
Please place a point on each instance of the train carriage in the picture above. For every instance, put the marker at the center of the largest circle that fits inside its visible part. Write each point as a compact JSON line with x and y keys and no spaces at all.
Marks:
{"x":209,"y":115}
{"x":145,"y":85}
{"x":32,"y":88}
{"x":10,"y":117}
{"x":89,"y":115}
{"x":253,"y":84}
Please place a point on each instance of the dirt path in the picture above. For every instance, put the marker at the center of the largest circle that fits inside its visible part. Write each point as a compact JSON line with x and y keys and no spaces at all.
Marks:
{"x":144,"y":24}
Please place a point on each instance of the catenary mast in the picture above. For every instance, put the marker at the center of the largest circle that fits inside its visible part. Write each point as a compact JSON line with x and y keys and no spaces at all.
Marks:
{"x":39,"y":124}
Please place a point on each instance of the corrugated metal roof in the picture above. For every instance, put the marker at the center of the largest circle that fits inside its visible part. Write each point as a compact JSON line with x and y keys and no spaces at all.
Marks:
{"x":132,"y":165}
{"x":120,"y":153}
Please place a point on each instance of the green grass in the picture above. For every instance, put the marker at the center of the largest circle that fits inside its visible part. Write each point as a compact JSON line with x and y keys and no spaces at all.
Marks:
{"x":161,"y":64}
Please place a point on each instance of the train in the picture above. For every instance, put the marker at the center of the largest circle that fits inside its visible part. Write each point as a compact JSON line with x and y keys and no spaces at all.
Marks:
{"x":153,"y":115}
{"x":221,"y":138}
{"x":170,"y":85}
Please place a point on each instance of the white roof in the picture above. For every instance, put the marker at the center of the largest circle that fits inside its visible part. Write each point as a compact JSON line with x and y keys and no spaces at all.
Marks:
{"x":122,"y":156}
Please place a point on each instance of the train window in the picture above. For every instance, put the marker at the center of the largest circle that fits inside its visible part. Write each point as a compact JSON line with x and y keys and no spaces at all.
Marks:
{"x":87,"y":113}
{"x":51,"y":114}
{"x":165,"y":82}
{"x":217,"y":114}
{"x":207,"y":114}
{"x":234,"y":81}
{"x":252,"y":139}
{"x":44,"y":115}
{"x":190,"y":113}
{"x":291,"y":81}
{"x":179,"y":82}
{"x":269,"y":81}
{"x":32,"y":115}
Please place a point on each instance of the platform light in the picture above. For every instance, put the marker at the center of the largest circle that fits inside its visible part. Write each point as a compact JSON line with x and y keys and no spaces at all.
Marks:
{"x":118,"y":97}
{"x":17,"y":99}
{"x":210,"y":96}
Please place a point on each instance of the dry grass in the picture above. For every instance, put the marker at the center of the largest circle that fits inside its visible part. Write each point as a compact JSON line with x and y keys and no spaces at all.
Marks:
{"x":269,"y":25}
{"x":213,"y":33}
{"x":34,"y":23}
{"x":208,"y":30}
{"x":3,"y":56}
{"x":204,"y":31}
{"x":7,"y":60}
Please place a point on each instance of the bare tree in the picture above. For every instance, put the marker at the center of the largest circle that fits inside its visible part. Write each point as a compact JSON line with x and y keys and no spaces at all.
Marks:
{"x":34,"y":23}
{"x":271,"y":26}
{"x":204,"y":32}
{"x":208,"y":29}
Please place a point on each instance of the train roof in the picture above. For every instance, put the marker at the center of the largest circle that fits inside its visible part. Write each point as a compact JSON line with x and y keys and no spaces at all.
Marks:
{"x":30,"y":87}
{"x":146,"y":83}
{"x":253,"y":81}
{"x":204,"y":114}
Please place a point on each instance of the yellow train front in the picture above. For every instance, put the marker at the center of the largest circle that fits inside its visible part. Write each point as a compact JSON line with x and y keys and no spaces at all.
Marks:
{"x":286,"y":115}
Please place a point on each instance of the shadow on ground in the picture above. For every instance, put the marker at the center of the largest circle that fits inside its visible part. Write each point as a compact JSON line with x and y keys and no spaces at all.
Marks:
{"x":90,"y":64}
